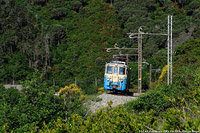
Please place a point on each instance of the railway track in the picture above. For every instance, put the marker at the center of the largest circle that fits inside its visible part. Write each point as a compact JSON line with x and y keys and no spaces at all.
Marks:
{"x":120,"y":93}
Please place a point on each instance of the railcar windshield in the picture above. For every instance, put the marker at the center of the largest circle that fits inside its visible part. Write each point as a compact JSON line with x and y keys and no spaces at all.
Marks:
{"x":122,"y":71}
{"x":115,"y":70}
{"x":109,"y":69}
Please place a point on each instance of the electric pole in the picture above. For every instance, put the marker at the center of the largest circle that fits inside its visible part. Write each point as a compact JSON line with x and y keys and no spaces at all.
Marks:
{"x":139,"y":49}
{"x":169,"y":55}
{"x":139,"y":61}
{"x":169,"y":51}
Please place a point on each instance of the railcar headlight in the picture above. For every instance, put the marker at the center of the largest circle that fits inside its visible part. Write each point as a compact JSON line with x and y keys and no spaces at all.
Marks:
{"x":108,"y":79}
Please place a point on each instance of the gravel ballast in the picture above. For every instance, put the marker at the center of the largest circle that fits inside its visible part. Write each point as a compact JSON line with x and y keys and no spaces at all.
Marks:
{"x":116,"y":99}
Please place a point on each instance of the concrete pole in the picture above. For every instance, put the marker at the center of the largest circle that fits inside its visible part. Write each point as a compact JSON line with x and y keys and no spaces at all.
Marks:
{"x":168,"y":52}
{"x":171,"y":54}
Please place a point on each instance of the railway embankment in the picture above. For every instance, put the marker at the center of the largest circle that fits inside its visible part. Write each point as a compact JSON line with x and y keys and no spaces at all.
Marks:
{"x":103,"y":99}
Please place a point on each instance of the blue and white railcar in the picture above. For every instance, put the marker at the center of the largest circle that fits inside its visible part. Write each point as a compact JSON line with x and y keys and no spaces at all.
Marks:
{"x":116,"y":75}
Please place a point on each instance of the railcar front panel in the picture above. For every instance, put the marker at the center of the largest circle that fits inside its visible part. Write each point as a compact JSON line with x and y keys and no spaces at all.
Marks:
{"x":115,"y":77}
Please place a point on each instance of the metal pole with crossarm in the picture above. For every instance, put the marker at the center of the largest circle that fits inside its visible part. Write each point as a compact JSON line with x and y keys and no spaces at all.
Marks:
{"x":139,"y":63}
{"x":139,"y":37}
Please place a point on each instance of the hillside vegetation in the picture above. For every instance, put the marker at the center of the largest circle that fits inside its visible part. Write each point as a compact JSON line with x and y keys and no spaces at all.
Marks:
{"x":48,"y":45}
{"x":64,"y":40}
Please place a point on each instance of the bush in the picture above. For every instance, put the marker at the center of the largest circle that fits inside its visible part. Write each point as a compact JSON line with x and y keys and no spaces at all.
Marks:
{"x":106,"y":120}
{"x":58,"y":13}
{"x":155,"y":99}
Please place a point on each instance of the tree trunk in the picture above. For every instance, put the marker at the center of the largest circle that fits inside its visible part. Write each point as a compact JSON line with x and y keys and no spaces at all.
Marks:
{"x":47,"y":52}
{"x":29,"y":62}
{"x":13,"y":81}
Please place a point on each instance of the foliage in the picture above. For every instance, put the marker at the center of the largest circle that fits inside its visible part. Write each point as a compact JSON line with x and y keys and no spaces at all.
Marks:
{"x":65,"y":39}
{"x":190,"y":47}
{"x":105,"y":120}
{"x":154,"y":99}
{"x":36,"y":103}
{"x":101,"y":90}
{"x":163,"y":73}
{"x":49,"y":44}
{"x":69,"y":90}
{"x":61,"y":38}
{"x":166,"y":108}
{"x":177,"y":105}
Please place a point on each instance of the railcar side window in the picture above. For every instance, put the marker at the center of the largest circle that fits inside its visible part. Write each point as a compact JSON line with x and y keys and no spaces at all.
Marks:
{"x":115,"y":70}
{"x":122,"y":71}
{"x":109,"y":69}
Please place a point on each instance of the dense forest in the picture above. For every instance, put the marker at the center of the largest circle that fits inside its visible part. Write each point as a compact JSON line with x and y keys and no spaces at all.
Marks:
{"x":59,"y":46}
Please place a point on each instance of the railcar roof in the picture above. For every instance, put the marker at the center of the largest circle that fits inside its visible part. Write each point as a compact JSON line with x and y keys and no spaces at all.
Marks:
{"x":120,"y":63}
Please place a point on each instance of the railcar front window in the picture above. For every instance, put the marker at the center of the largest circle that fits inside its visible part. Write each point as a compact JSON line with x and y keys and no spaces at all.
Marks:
{"x":122,"y":71}
{"x":115,"y":70}
{"x":109,"y":69}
